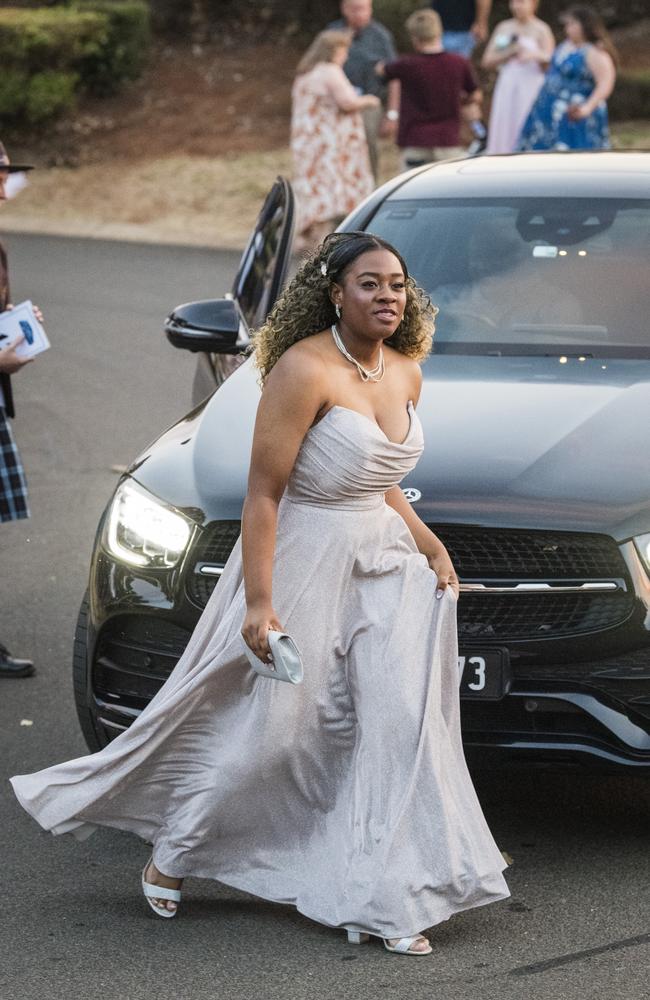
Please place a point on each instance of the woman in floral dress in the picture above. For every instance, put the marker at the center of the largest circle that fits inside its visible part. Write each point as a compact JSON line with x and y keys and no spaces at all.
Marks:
{"x":331,"y":168}
{"x":571,"y":111}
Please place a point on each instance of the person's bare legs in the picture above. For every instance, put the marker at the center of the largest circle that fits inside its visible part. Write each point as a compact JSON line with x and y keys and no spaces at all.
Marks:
{"x":154,"y":877}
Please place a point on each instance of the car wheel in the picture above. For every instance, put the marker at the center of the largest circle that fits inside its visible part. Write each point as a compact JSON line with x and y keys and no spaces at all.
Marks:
{"x":94,"y":739}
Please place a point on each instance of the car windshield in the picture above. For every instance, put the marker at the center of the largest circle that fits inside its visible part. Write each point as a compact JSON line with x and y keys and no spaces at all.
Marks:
{"x":529,"y":275}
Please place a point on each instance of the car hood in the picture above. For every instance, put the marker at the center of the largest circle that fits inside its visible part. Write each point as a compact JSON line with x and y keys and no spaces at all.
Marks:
{"x":509,"y":441}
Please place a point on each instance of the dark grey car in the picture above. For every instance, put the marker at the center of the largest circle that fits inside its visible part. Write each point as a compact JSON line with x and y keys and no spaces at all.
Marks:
{"x":536,"y":471}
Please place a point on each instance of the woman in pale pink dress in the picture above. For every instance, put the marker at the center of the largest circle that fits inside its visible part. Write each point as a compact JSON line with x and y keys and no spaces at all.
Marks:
{"x":331,"y":168}
{"x":520,"y":48}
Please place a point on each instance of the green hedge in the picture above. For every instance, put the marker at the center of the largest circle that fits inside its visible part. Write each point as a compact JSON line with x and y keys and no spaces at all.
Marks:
{"x":49,"y":94}
{"x":38,"y":47}
{"x":124,"y":54}
{"x":50,"y":54}
{"x":31,"y":40}
{"x":35,"y":99}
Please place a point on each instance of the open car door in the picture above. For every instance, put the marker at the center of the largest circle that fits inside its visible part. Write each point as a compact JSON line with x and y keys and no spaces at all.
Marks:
{"x":264,"y":263}
{"x":218,"y":330}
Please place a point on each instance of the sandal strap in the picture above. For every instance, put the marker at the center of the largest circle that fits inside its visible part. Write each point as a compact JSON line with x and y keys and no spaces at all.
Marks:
{"x":160,"y":892}
{"x":404,"y":944}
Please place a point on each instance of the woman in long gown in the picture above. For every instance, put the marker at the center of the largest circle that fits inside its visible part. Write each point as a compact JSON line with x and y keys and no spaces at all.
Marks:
{"x":331,"y":164}
{"x":520,"y":49}
{"x":347,"y":795}
{"x":571,"y":108}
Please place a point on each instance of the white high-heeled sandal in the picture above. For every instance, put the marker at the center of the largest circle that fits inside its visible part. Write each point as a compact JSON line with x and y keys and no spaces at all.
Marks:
{"x":152,"y":891}
{"x":401,"y":948}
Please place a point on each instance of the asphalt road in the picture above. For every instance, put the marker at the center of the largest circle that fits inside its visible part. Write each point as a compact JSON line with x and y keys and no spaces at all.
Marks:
{"x":74,"y":925}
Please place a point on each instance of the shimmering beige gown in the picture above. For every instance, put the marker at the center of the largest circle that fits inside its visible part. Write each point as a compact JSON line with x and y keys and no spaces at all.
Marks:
{"x":348,"y":795}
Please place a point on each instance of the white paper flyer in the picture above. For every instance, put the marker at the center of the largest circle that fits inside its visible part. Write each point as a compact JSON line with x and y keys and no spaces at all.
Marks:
{"x":21,"y":321}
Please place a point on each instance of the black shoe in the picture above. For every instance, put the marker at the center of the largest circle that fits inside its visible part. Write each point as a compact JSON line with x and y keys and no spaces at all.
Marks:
{"x":11,"y":667}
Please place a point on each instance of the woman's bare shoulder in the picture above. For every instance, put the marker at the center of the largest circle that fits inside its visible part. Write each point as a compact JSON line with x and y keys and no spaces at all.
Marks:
{"x":598,"y":58}
{"x":326,"y":72}
{"x":400,"y":359}
{"x":417,"y":377}
{"x":543,"y":28}
{"x":330,"y":70}
{"x":408,"y":369}
{"x":302,"y":360}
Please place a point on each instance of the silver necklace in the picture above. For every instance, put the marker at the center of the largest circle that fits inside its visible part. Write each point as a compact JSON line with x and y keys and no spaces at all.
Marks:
{"x":367,"y":374}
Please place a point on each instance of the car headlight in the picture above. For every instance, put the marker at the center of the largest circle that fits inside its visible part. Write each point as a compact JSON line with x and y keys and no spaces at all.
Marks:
{"x":642,"y":543}
{"x":143,"y":531}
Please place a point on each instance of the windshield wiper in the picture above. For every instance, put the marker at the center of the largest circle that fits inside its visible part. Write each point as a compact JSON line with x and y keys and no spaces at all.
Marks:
{"x":506,"y":349}
{"x":587,"y":332}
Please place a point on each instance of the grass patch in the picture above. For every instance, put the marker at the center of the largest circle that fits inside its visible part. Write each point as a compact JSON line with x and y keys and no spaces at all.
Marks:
{"x":631,"y":135}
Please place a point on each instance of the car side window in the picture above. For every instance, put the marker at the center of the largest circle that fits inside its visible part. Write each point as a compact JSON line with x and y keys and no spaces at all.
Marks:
{"x":264,"y":261}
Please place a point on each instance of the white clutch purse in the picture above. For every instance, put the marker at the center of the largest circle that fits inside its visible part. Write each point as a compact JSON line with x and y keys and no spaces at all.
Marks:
{"x":286,"y":664}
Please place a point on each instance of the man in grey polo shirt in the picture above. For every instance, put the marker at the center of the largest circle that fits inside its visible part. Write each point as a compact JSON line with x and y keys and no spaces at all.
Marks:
{"x":371,"y":43}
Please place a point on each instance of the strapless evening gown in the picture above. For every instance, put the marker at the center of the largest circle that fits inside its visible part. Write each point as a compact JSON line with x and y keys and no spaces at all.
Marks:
{"x":348,"y":795}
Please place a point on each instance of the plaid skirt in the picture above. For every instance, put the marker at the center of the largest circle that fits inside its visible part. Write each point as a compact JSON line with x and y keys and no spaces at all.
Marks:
{"x":13,"y":486}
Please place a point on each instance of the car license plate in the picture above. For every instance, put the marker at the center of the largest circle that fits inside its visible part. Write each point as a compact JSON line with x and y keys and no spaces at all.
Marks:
{"x":484,"y":673}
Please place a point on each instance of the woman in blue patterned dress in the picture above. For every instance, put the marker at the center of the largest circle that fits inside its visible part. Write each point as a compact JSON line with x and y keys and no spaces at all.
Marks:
{"x":571,"y":110}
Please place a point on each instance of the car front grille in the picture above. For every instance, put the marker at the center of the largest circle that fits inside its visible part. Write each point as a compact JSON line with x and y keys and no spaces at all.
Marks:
{"x":134,"y":656}
{"x":511,"y":556}
{"x":218,"y":542}
{"x":506,"y":556}
{"x":533,"y":555}
{"x":559,"y":719}
{"x":212,"y":552}
{"x":538,"y":616}
{"x":624,"y":677}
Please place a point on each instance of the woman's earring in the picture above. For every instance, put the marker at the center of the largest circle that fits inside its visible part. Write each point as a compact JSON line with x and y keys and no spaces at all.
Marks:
{"x":337,"y":310}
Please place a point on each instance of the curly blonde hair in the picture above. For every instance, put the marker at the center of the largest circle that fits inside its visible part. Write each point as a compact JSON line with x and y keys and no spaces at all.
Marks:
{"x":305,"y":306}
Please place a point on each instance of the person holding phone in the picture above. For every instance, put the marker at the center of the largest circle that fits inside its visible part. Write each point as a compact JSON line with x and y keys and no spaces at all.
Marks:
{"x":520,"y":48}
{"x":13,"y":487}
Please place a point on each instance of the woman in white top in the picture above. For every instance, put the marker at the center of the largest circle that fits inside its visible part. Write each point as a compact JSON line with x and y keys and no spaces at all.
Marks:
{"x":520,"y":48}
{"x":331,"y":167}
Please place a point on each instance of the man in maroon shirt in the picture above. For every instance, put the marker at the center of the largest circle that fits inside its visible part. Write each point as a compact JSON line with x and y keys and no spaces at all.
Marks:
{"x":434,"y":87}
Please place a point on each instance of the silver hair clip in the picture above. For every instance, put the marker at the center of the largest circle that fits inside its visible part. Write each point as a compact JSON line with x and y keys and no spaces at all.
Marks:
{"x":323,"y":269}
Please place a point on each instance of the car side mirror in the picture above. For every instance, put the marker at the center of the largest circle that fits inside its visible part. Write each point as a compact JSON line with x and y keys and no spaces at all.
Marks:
{"x":211,"y":325}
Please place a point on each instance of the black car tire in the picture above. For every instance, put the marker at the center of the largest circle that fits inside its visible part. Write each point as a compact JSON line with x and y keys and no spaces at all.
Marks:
{"x":86,"y":718}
